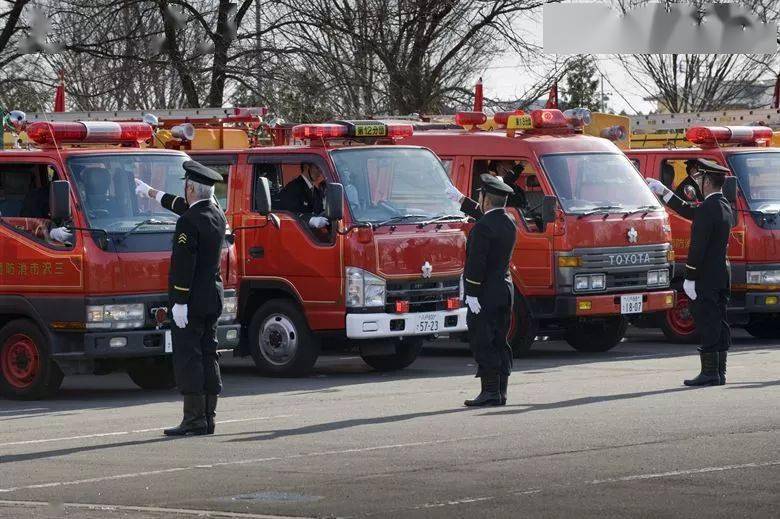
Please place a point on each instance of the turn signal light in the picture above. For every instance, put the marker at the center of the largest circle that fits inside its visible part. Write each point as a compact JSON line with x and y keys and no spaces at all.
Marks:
{"x":584,"y":305}
{"x":771,"y":300}
{"x":569,"y":261}
{"x":669,"y":300}
{"x":402,"y":307}
{"x":453,"y":303}
{"x":670,"y":255}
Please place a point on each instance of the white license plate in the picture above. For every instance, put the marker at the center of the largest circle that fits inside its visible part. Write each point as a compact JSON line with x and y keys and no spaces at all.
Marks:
{"x":427,"y":323}
{"x":631,"y":304}
{"x":168,"y":342}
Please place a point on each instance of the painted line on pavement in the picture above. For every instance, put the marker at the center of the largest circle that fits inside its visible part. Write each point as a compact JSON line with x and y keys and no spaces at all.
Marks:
{"x":136,"y":431}
{"x":123,"y":508}
{"x":21,"y":411}
{"x":244,"y":462}
{"x":639,"y":477}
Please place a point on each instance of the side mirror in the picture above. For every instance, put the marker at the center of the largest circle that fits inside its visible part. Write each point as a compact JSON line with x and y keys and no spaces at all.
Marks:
{"x":730,"y":189}
{"x":59,"y":200}
{"x":549,"y":205}
{"x":334,"y":202}
{"x":690,"y":193}
{"x":262,"y":196}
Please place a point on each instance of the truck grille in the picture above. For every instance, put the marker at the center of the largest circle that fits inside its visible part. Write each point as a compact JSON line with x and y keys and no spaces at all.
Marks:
{"x":625,"y":267}
{"x":424,"y":295}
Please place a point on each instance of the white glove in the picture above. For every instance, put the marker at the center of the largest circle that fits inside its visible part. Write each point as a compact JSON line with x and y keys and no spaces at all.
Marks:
{"x":142,"y":189}
{"x":180,"y":315}
{"x":453,"y":193}
{"x":689,"y":287}
{"x":318,"y":222}
{"x":656,"y":186}
{"x":473,"y":304}
{"x":61,"y":234}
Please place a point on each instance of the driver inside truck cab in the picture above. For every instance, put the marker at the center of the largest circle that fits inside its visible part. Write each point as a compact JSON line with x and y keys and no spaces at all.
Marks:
{"x":305,"y":196}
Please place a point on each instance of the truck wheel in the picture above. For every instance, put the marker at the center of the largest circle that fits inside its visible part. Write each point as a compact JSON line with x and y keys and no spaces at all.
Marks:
{"x":406,"y":351}
{"x":677,"y":323}
{"x":764,"y":329}
{"x":596,"y":335}
{"x":28,"y":373}
{"x":153,"y":373}
{"x":522,"y":330}
{"x":280,"y":340}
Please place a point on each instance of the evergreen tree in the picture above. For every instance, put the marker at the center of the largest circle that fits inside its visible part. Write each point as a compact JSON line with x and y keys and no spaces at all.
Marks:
{"x":582,"y":84}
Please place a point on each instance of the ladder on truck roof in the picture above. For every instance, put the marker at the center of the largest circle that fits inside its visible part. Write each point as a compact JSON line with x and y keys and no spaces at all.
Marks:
{"x":682,"y":121}
{"x":166,"y":117}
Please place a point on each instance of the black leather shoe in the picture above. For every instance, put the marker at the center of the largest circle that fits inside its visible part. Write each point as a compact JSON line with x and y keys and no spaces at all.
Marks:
{"x":490,"y":394}
{"x":503,"y":384}
{"x":722,"y":355}
{"x":211,"y":413}
{"x":194,"y":421}
{"x":709,"y":371}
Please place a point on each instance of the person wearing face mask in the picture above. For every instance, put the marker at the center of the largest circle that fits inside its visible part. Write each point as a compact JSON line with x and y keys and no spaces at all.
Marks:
{"x":707,"y":271}
{"x":489,"y":292}
{"x":690,"y":183}
{"x":305,"y":196}
{"x":196,"y":293}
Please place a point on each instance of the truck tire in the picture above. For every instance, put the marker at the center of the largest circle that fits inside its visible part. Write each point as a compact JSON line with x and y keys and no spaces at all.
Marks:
{"x":677,"y":323}
{"x":153,"y":373}
{"x":280,"y":340}
{"x":406,"y":352}
{"x":522,"y":331}
{"x":764,"y":328}
{"x":597,"y":335}
{"x":27,"y":371}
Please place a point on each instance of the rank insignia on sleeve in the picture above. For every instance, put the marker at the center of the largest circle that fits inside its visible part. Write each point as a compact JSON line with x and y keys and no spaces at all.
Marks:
{"x":182,"y":239}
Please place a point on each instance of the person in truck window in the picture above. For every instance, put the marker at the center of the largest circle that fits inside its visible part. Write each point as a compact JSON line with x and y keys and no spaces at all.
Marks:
{"x":691,"y":170}
{"x":305,"y":196}
{"x":505,"y":170}
{"x":707,"y":271}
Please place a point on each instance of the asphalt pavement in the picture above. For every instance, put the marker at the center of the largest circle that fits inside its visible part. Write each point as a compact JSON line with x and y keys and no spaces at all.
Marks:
{"x":583,"y":435}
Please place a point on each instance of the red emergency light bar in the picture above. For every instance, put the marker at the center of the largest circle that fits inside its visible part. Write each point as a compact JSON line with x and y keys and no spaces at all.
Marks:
{"x":89,"y":132}
{"x":318,"y":131}
{"x":548,"y":118}
{"x":715,"y":135}
{"x":352,"y":129}
{"x":470,"y":118}
{"x":501,"y":118}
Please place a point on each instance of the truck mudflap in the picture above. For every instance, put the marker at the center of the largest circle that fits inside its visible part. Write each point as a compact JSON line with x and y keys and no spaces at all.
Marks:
{"x":380,"y":325}
{"x":621,"y":304}
{"x":141,"y":343}
{"x":762,"y":302}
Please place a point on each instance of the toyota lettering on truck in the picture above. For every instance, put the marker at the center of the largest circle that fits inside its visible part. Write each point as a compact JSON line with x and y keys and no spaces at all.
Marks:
{"x":84,"y":263}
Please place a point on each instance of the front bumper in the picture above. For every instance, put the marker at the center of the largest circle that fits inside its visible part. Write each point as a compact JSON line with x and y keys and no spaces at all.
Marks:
{"x":762,"y":302}
{"x":609,"y":304}
{"x":380,"y":325}
{"x":143,"y":343}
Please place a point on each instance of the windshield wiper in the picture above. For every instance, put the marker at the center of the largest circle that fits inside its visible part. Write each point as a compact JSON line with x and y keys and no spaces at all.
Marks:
{"x":150,"y":221}
{"x":604,"y":209}
{"x":642,"y":209}
{"x":440,"y":218}
{"x":400,"y":218}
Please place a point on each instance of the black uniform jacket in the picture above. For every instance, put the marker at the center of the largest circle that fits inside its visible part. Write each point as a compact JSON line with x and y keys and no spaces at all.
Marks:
{"x":680,"y":191}
{"x":299,"y":198}
{"x":470,"y":207}
{"x":712,"y":222}
{"x":488,"y":252}
{"x":194,"y":278}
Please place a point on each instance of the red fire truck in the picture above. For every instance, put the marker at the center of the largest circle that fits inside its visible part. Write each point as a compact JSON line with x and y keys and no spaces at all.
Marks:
{"x":754,"y":249}
{"x":84,"y":263}
{"x":593,"y":243}
{"x":382,"y":276}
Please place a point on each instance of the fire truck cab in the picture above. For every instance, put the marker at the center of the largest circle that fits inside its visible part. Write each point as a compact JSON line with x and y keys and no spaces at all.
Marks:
{"x":379,"y":278}
{"x":754,"y":250}
{"x":593,"y":244}
{"x":84,"y":262}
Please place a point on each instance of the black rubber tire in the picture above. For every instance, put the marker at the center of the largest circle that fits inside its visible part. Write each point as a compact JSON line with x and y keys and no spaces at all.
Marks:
{"x":764,"y":329}
{"x":308,"y":345}
{"x":521,"y":339}
{"x":48,"y":378}
{"x":406,"y":352}
{"x":597,"y":335}
{"x":153,"y":373}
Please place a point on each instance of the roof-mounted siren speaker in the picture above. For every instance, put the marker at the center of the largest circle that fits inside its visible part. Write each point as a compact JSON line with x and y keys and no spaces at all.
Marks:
{"x":183,"y":132}
{"x":18,"y":119}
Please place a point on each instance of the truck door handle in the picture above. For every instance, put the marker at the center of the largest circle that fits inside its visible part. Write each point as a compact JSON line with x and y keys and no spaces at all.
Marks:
{"x":256,"y":252}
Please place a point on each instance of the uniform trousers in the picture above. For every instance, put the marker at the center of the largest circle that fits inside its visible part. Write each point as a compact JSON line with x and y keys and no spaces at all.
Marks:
{"x":487,"y":338}
{"x":709,"y":315}
{"x":195,"y":358}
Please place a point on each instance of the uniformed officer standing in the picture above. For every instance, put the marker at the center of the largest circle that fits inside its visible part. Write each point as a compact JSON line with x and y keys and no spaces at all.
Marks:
{"x":707,"y":272}
{"x":488,"y":289}
{"x":195,"y":291}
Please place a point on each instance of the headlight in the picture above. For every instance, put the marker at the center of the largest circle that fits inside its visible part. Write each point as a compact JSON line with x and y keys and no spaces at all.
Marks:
{"x":115,"y":316}
{"x":652,"y":277}
{"x":663,"y":277}
{"x":590,"y":282}
{"x":657,"y":278}
{"x":364,"y":288}
{"x":763,"y":277}
{"x":229,"y":307}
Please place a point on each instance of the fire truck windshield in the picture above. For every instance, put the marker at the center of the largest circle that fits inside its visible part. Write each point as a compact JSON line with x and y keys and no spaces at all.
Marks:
{"x":106,"y":187}
{"x":394,"y":183}
{"x":759,"y":179}
{"x":585,"y":182}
